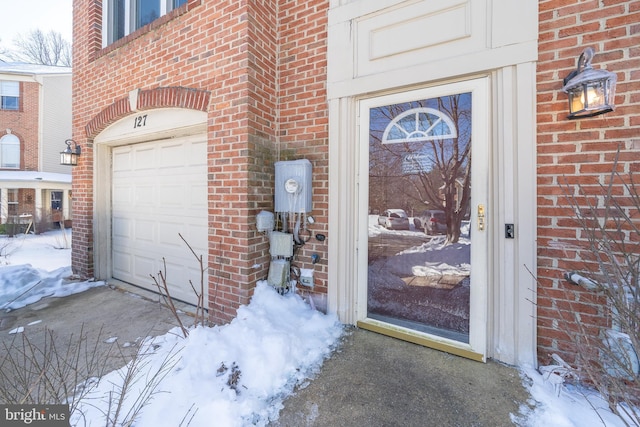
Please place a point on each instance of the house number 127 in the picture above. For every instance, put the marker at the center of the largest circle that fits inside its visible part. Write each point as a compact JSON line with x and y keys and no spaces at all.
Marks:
{"x":140,"y":121}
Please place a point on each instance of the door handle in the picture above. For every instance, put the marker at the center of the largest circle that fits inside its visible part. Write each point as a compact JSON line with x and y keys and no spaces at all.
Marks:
{"x":481,"y":218}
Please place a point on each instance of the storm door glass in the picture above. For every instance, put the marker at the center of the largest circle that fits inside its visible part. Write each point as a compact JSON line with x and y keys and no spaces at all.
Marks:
{"x":419,"y":203}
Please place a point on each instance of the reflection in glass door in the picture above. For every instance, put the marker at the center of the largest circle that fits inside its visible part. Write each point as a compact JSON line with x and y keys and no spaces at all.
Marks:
{"x":419,"y":263}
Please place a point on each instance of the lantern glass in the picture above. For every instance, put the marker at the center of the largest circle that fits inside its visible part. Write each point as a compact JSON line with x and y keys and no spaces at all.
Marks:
{"x":68,"y":158}
{"x":590,"y":99}
{"x":591,"y":92}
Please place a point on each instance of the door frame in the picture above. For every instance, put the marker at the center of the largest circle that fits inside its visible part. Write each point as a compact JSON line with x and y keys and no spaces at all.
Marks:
{"x":476,"y":349}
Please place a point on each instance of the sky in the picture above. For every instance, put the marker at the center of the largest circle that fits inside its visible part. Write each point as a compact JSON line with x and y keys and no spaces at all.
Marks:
{"x":20,"y":17}
{"x":276,"y":343}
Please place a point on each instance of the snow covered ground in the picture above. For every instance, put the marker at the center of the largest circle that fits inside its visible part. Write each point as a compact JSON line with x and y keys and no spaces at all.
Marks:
{"x":238,"y":374}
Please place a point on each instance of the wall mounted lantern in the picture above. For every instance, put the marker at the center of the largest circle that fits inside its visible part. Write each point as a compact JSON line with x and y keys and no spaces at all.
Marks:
{"x":70,"y":156}
{"x":590,"y":91}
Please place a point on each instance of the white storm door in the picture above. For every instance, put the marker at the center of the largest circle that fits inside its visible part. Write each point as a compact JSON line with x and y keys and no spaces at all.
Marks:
{"x":159,"y":192}
{"x":425,"y":156}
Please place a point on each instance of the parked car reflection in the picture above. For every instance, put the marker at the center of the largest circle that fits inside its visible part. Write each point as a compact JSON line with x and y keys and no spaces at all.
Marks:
{"x":394,"y":219}
{"x":431,"y":222}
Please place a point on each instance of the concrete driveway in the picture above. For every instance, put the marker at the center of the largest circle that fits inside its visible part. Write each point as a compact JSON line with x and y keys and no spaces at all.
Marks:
{"x":102,"y":326}
{"x":372,"y":380}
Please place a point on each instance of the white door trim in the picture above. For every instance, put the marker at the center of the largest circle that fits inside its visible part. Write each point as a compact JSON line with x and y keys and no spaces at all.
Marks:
{"x":480,"y":255}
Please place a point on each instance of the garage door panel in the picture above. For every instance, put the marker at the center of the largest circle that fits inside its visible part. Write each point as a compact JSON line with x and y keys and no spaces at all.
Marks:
{"x":122,"y":161}
{"x":121,"y":227}
{"x":145,"y":231}
{"x":192,"y":234}
{"x":143,"y":266}
{"x":178,"y":278}
{"x":196,"y":147}
{"x":144,"y":158}
{"x":172,"y":156}
{"x":170,"y":234}
{"x":161,"y":193}
{"x":198,"y":196}
{"x":123,"y":261}
{"x":174,"y":195}
{"x":122,"y":195}
{"x":144,"y":196}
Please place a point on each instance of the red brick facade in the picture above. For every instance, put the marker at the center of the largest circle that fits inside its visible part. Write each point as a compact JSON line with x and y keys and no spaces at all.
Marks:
{"x":260,"y":69}
{"x":263,"y":67}
{"x":579,"y":152}
{"x":23,"y":123}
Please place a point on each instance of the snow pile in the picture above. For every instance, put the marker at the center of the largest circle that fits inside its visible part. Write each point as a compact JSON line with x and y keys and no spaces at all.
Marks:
{"x":439,"y":269}
{"x":21,"y":285}
{"x":47,"y":251}
{"x":563,"y":405}
{"x":237,"y":374}
{"x":444,"y":259}
{"x":33,"y":267}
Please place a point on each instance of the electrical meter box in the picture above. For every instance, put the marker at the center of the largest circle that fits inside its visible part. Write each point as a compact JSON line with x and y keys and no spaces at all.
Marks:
{"x":293,"y":186}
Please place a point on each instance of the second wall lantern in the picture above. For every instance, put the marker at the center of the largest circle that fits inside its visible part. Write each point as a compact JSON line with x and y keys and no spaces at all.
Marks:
{"x":69,"y":157}
{"x":591,"y":92}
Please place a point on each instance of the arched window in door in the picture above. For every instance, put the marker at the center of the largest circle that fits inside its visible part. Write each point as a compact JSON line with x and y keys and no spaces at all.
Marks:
{"x":419,"y":124}
{"x":10,"y":152}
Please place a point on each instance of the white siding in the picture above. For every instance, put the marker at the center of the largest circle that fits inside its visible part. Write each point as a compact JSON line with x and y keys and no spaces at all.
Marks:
{"x":55,"y":121}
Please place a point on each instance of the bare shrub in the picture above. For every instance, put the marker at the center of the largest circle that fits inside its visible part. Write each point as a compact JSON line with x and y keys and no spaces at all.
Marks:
{"x":7,"y":247}
{"x":38,"y":372}
{"x":608,"y":272}
{"x":138,"y":382}
{"x":161,"y":283}
{"x":63,"y":241}
{"x":44,"y":371}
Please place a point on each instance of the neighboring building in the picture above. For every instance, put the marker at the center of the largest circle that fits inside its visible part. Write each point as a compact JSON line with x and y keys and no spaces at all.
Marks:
{"x":181,"y":119}
{"x":35,"y":120}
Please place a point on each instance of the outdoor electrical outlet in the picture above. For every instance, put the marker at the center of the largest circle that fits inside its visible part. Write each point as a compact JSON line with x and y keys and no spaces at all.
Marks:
{"x":509,"y":231}
{"x":306,"y":277}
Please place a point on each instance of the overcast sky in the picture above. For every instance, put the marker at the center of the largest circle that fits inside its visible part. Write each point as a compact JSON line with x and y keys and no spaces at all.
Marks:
{"x":23,"y":16}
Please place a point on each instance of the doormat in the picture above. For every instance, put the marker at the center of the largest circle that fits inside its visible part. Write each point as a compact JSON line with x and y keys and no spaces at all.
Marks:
{"x":437,"y":282}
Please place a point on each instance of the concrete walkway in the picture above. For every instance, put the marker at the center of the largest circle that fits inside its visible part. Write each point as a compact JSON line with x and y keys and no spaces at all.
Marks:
{"x":376,"y":380}
{"x":372,"y":380}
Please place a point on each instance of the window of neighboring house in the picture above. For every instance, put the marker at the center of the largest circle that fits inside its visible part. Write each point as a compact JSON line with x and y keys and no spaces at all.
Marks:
{"x":123,"y":17}
{"x":9,"y":95}
{"x":56,"y":200}
{"x":9,"y":152}
{"x":12,"y":202}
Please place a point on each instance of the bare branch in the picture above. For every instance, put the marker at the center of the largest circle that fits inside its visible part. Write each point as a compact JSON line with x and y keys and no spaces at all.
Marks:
{"x":42,"y":48}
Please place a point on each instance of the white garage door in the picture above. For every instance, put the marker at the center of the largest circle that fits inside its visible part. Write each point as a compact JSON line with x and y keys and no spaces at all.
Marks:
{"x":160,"y":191}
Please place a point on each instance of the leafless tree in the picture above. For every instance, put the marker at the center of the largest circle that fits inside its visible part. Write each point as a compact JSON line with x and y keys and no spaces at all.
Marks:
{"x":38,"y":47}
{"x":3,"y":53}
{"x":440,"y":178}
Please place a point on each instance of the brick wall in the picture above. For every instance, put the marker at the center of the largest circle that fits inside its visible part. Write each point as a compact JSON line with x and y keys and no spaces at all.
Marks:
{"x":581,"y":153}
{"x":231,"y":50}
{"x":24,"y":124}
{"x":303,"y":123}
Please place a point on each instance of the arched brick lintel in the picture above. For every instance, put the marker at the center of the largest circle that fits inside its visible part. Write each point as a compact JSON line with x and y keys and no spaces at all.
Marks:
{"x":161,"y":97}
